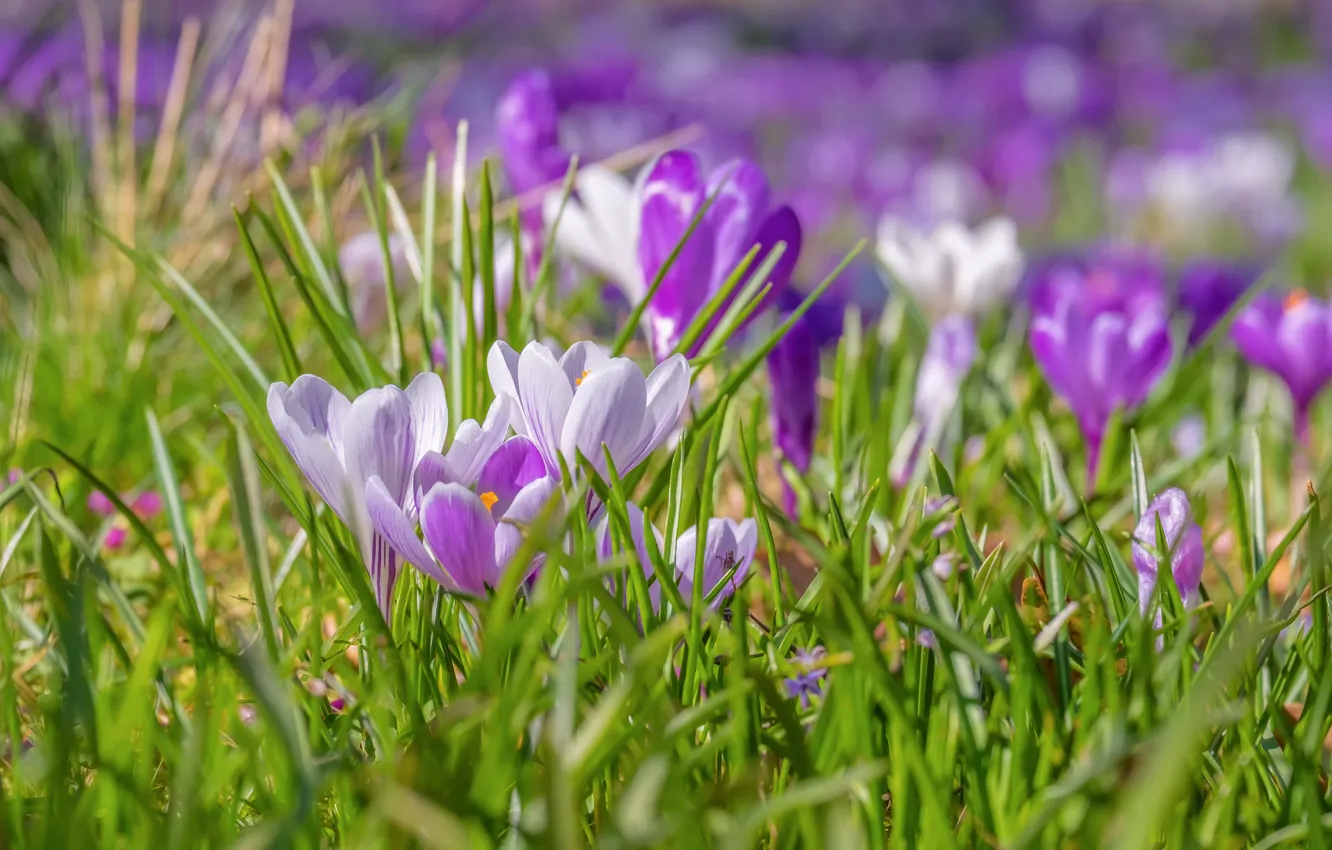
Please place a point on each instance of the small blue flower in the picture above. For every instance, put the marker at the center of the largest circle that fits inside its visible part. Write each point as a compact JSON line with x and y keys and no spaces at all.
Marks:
{"x":807,"y":682}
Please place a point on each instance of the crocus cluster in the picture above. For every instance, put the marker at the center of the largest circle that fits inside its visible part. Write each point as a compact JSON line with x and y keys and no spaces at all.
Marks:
{"x":378,"y":463}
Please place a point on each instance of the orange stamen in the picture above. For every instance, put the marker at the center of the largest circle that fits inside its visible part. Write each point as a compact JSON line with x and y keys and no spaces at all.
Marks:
{"x":489,"y":499}
{"x":579,"y":381}
{"x":1295,"y":299}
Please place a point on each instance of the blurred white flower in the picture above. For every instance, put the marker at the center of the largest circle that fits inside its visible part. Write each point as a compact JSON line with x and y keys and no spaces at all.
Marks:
{"x":951,"y":269}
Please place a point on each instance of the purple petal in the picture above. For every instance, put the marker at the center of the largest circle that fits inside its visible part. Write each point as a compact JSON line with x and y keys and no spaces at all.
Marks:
{"x":527,"y":506}
{"x":582,"y":358}
{"x":512,"y":466}
{"x":461,"y":534}
{"x":667,"y":395}
{"x":310,"y":449}
{"x":432,"y":469}
{"x":393,"y":524}
{"x":781,"y":226}
{"x":527,"y":127}
{"x":740,"y":204}
{"x":608,"y":408}
{"x":793,"y":374}
{"x":671,"y":196}
{"x":430,"y":412}
{"x":381,"y":441}
{"x":544,"y":396}
{"x":474,"y":444}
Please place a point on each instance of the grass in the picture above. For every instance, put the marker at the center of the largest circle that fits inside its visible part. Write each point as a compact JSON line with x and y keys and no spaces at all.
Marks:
{"x":226,"y":678}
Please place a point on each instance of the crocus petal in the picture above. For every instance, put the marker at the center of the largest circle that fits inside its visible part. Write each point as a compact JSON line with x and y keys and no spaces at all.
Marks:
{"x":638,"y":527}
{"x":793,"y":374}
{"x":781,"y":226}
{"x":310,"y":449}
{"x":581,"y":358}
{"x":393,"y":524}
{"x":461,"y":534}
{"x":512,"y":466}
{"x":740,"y":204}
{"x":667,"y":395}
{"x":607,"y":409}
{"x":474,"y":444}
{"x":432,"y":469}
{"x":671,"y":196}
{"x":544,"y":396}
{"x":1303,"y":336}
{"x":381,"y":441}
{"x":325,"y":407}
{"x":430,"y":412}
{"x":502,"y":367}
{"x":527,"y":506}
{"x":599,"y":227}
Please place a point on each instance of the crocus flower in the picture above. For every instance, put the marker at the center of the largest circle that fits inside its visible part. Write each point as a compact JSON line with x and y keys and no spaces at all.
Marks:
{"x":808,"y":682}
{"x":587,"y":399}
{"x":952,"y":270}
{"x":598,"y":227}
{"x":1183,"y":539}
{"x":1291,"y":338}
{"x":378,"y":454}
{"x":527,"y":128}
{"x":793,"y":373}
{"x":1208,"y":289}
{"x":471,"y":534}
{"x":729,"y":545}
{"x":1100,"y":348}
{"x":741,"y":217}
{"x":362,"y":261}
{"x":948,"y":358}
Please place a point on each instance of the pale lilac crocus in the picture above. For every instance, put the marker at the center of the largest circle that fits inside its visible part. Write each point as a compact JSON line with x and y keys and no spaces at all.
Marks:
{"x":729,"y":545}
{"x":586,"y":400}
{"x":374,"y":456}
{"x":361,"y":259}
{"x":472,"y":533}
{"x":954,"y":274}
{"x":1101,"y":348}
{"x":1183,"y":539}
{"x":1291,"y":338}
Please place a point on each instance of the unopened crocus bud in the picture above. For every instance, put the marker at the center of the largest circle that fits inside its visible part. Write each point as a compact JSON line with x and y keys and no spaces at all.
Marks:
{"x":793,"y":372}
{"x":1183,"y":539}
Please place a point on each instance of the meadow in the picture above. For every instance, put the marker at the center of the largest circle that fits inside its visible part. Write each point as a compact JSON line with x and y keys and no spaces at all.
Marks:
{"x":474,"y":481}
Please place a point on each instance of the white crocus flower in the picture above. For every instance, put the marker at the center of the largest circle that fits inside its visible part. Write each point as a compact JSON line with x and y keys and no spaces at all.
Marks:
{"x":952,"y":269}
{"x":599,"y":227}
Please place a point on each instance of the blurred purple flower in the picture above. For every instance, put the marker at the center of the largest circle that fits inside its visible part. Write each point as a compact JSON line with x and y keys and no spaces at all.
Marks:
{"x":527,"y":121}
{"x":361,"y":259}
{"x":115,"y":538}
{"x":1291,"y":339}
{"x":100,"y":504}
{"x":793,"y":375}
{"x":741,"y":216}
{"x":808,"y":680}
{"x":1207,"y":291}
{"x":729,"y":545}
{"x":587,"y":399}
{"x":1189,"y":436}
{"x":15,"y":475}
{"x":1102,"y":345}
{"x":378,"y":457}
{"x":949,"y":356}
{"x":942,"y":567}
{"x":1183,"y":538}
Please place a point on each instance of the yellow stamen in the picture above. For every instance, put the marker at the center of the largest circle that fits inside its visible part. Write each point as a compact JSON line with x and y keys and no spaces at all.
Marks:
{"x":1295,"y":299}
{"x":489,"y":499}
{"x":579,"y":381}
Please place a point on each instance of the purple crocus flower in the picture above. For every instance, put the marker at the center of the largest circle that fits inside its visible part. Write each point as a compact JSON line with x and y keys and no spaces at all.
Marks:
{"x":587,"y":399}
{"x":638,"y":527}
{"x":471,"y":534}
{"x":729,"y":545}
{"x":361,"y":259}
{"x":949,"y":355}
{"x":741,"y":216}
{"x":808,"y":682}
{"x":793,"y":373}
{"x":527,"y":121}
{"x":377,"y":455}
{"x":1183,"y":538}
{"x":1293,"y":340}
{"x":1208,"y":289}
{"x":1101,"y":347}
